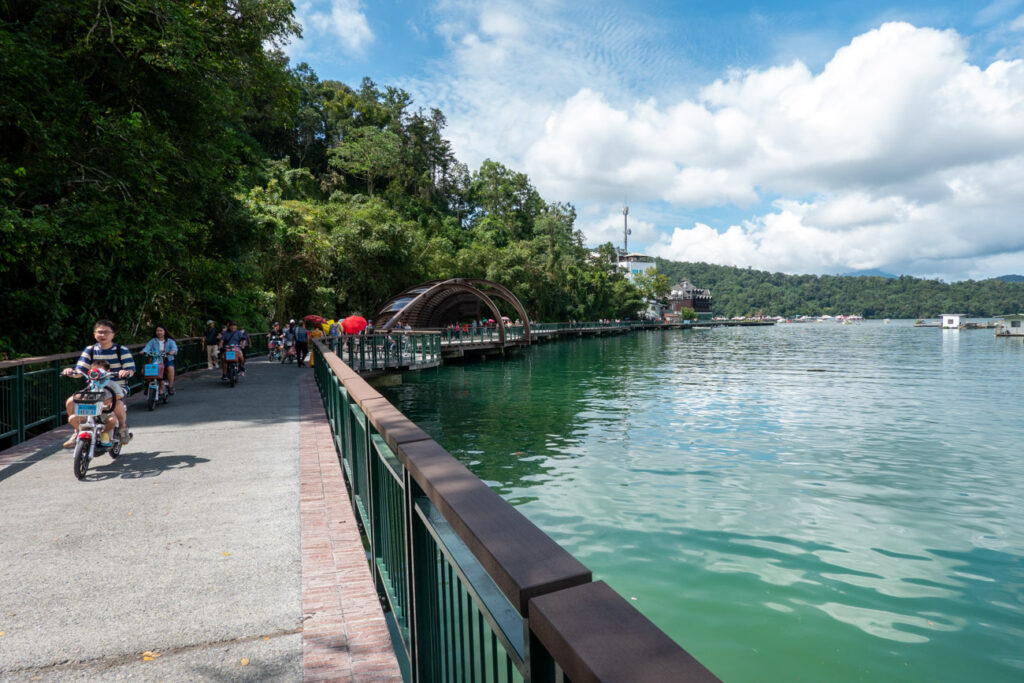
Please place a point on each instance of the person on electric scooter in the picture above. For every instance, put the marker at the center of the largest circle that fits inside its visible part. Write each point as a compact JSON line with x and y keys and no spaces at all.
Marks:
{"x":163,"y":344}
{"x":275,"y":339}
{"x":121,"y":365}
{"x":232,"y":336}
{"x":115,"y":392}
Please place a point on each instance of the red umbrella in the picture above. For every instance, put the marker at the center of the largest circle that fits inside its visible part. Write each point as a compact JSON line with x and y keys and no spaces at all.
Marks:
{"x":353,"y":324}
{"x":315,"y":319}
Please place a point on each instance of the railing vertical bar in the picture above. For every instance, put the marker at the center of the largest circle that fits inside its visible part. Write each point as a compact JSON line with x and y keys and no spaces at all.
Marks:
{"x":481,"y":639}
{"x":19,"y":404}
{"x":494,"y":656}
{"x":451,"y":623}
{"x":470,"y":630}
{"x":462,"y":636}
{"x":442,"y":614}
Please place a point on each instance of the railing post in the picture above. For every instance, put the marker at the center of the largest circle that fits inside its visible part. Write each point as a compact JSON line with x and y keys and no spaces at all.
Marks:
{"x":412,"y":561}
{"x":19,"y":404}
{"x":57,"y":403}
{"x":539,"y":662}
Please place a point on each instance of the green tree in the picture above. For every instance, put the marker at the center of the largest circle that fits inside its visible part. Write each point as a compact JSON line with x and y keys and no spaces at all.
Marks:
{"x":367,"y":153}
{"x":123,"y":137}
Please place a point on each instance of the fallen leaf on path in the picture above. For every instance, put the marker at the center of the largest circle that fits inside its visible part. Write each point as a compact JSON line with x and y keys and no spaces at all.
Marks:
{"x":245,"y":661}
{"x":226,"y":554}
{"x":148,"y":656}
{"x":2,"y":632}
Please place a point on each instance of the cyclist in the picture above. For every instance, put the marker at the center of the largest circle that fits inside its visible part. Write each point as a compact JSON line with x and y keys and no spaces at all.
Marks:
{"x":232,"y":336}
{"x":122,"y":366}
{"x":163,"y":344}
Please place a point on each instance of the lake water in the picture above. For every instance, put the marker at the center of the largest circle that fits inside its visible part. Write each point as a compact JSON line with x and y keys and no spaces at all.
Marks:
{"x":813,"y":502}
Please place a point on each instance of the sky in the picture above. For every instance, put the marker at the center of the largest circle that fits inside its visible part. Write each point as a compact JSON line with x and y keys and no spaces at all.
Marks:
{"x":821,"y":137}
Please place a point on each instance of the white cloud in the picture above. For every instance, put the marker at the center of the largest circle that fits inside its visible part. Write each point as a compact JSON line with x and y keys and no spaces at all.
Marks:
{"x":346,"y":22}
{"x":337,"y":23}
{"x":899,"y":153}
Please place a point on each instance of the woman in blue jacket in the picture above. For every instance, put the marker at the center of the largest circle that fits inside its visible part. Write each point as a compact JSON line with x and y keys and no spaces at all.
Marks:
{"x":163,"y":344}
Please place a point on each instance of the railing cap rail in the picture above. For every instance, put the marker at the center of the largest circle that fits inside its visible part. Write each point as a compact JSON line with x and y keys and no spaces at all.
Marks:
{"x":569,"y":626}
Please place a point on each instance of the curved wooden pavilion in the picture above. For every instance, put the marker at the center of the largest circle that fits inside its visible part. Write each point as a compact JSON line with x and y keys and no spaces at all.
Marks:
{"x":438,"y":303}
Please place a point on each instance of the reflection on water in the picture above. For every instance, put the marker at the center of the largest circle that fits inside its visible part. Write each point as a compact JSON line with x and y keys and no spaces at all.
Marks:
{"x":815,"y":502}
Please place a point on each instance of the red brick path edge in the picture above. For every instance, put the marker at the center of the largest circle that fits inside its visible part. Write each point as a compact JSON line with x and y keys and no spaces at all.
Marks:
{"x":344,"y":636}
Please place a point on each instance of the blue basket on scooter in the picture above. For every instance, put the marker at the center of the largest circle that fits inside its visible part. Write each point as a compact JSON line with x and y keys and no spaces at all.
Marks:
{"x":230,"y":355}
{"x":153,"y":370}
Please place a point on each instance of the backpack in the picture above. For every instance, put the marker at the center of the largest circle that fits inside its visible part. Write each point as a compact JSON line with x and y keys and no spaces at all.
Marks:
{"x":301,"y":334}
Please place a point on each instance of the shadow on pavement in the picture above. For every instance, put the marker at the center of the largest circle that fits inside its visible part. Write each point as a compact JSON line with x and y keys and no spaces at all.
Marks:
{"x":139,"y":465}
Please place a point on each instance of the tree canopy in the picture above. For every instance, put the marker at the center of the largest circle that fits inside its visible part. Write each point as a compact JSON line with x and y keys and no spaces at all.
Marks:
{"x":162,"y":162}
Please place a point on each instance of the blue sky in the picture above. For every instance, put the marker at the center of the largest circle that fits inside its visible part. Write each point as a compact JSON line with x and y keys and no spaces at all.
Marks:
{"x":803,"y":137}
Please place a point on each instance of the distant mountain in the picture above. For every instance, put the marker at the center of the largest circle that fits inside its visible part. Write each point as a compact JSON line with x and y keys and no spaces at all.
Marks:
{"x":745,"y":291}
{"x":870,"y":273}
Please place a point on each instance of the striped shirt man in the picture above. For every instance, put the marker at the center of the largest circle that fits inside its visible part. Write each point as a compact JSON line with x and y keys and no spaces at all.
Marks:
{"x":119,"y":357}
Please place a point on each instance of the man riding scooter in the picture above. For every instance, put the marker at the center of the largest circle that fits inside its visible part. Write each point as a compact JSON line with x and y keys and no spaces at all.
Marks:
{"x":231,"y":337}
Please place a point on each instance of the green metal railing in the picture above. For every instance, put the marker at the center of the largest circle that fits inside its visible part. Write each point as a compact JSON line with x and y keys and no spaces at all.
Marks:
{"x":474,"y":591}
{"x":380,"y":351}
{"x":33,"y":390}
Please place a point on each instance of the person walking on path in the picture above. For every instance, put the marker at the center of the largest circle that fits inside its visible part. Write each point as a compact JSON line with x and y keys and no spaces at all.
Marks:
{"x":210,"y":338}
{"x":316,"y":333}
{"x":301,"y":343}
{"x":122,"y":366}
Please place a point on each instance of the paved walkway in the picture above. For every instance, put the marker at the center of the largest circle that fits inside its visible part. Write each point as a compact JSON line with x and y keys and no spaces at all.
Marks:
{"x":219,"y":546}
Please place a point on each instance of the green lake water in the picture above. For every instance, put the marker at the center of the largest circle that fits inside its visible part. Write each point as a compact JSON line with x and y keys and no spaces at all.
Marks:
{"x":804,"y":502}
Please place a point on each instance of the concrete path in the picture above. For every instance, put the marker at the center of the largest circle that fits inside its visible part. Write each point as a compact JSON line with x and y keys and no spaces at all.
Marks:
{"x":182,"y":559}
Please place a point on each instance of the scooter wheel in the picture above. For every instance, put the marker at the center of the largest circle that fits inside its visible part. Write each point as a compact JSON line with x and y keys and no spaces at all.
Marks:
{"x":82,"y":457}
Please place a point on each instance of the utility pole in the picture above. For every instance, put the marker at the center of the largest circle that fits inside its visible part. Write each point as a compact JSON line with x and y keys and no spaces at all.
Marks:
{"x":625,"y":231}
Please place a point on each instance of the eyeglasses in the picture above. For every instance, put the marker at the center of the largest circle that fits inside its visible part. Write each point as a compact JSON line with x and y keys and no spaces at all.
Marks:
{"x":102,"y":332}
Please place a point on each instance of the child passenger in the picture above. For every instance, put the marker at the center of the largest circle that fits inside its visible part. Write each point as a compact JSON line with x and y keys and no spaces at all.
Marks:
{"x":115,"y":391}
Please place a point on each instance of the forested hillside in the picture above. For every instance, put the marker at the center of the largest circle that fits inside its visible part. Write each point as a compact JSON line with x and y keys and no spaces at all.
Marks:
{"x":743,"y":291}
{"x":161,"y":161}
